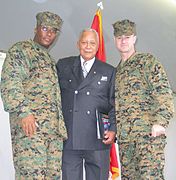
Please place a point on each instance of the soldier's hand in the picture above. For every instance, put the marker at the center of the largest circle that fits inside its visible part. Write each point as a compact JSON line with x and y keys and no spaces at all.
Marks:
{"x":109,"y":137}
{"x":158,"y":130}
{"x":29,"y":125}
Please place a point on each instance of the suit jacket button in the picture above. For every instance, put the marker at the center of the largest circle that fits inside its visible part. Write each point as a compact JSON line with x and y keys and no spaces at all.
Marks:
{"x":76,"y":92}
{"x":88,"y":93}
{"x":70,"y":110}
{"x":88,"y":112}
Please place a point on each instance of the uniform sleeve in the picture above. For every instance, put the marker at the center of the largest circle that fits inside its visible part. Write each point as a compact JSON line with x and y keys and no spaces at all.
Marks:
{"x":163,"y":104}
{"x":62,"y":127}
{"x":12,"y":91}
{"x":59,"y":95}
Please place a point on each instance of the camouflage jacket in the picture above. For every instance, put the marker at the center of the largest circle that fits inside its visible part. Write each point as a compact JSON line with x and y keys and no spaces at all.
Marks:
{"x":143,"y":94}
{"x":29,"y":84}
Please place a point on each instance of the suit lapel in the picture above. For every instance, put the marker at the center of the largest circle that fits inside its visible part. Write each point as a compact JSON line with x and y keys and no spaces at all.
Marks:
{"x":77,"y":70}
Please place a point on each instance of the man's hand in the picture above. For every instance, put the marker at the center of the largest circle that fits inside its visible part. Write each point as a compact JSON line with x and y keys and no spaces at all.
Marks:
{"x":109,"y":137}
{"x":158,"y":130}
{"x":29,"y":125}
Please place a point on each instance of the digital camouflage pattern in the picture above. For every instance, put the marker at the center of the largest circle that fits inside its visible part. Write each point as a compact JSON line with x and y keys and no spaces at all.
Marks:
{"x":49,"y":19}
{"x":143,"y":97}
{"x":29,"y":85}
{"x":124,"y":27}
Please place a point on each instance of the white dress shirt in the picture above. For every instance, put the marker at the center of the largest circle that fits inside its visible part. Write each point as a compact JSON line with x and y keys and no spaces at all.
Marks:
{"x":87,"y":64}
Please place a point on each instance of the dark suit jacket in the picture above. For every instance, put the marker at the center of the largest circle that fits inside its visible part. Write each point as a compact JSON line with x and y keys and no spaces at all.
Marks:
{"x":80,"y":99}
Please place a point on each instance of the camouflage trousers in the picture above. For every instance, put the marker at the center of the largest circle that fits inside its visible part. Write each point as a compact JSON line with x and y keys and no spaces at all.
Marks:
{"x":37,"y":158}
{"x":143,"y":158}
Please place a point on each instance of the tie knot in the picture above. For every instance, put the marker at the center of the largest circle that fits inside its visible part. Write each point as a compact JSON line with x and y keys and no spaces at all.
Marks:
{"x":84,"y":63}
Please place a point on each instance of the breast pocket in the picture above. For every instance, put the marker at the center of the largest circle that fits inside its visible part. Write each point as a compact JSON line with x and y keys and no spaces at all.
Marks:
{"x":100,"y":82}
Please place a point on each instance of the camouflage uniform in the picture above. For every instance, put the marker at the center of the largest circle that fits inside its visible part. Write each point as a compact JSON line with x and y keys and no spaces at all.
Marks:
{"x":29,"y":85}
{"x":143,"y":98}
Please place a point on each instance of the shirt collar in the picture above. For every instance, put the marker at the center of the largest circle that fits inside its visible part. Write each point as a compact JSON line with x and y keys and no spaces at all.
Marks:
{"x":88,"y":64}
{"x":91,"y":61}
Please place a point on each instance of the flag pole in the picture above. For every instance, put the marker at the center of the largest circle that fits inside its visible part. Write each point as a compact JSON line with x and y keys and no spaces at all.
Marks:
{"x":97,"y":25}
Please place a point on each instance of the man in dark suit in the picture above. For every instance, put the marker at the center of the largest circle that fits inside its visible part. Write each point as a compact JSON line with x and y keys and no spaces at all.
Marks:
{"x":87,"y":91}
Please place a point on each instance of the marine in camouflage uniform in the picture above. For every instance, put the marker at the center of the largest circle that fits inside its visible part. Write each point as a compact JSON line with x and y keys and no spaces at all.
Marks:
{"x":144,"y":105}
{"x":31,"y":95}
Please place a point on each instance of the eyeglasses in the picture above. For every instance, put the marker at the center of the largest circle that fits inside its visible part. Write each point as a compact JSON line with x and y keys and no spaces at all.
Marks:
{"x":49,"y":29}
{"x":88,"y":43}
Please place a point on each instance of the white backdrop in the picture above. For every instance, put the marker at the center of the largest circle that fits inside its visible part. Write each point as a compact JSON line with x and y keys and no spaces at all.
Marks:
{"x":6,"y":165}
{"x":170,"y":171}
{"x":6,"y":162}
